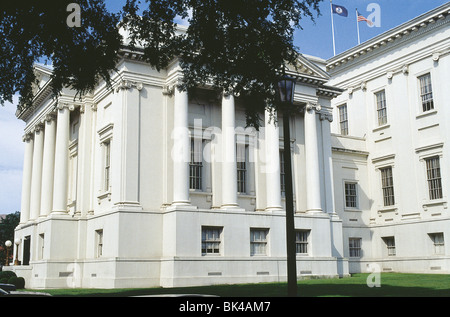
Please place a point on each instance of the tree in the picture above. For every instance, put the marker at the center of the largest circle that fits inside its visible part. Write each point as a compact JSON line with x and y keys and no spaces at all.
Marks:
{"x":7,"y":226}
{"x":34,"y":31}
{"x":240,"y":46}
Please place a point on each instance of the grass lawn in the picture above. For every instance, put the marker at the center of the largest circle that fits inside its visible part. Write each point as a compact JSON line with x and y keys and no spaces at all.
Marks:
{"x":391,"y":285}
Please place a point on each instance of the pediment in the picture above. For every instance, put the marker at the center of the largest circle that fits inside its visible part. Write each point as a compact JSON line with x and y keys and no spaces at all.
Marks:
{"x":43,"y":75}
{"x":307,"y":67}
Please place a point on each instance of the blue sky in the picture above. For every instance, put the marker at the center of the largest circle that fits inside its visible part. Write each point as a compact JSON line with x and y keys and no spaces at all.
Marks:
{"x":315,"y":39}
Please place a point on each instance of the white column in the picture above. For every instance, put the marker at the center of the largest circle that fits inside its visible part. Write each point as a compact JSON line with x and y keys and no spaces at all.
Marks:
{"x":36,"y":178}
{"x":229,"y":171}
{"x":272,"y":140}
{"x":61,"y":160}
{"x":26,"y":178}
{"x":48,"y":165}
{"x":326,"y":119}
{"x":181,"y":149}
{"x":313,"y":201}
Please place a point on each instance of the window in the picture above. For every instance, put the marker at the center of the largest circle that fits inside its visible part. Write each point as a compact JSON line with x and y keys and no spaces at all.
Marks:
{"x":196,"y":164}
{"x":343,"y":120}
{"x":107,"y":163}
{"x":258,"y":241}
{"x":354,"y":245}
{"x":381,"y":107}
{"x":211,"y":237}
{"x":301,"y":241}
{"x":387,"y":185}
{"x":282,"y":174}
{"x":390,"y":245}
{"x":434,"y":178}
{"x":426,"y":92}
{"x":438,"y":242}
{"x":99,"y":243}
{"x":41,"y":246}
{"x":241,"y":163}
{"x":351,"y":197}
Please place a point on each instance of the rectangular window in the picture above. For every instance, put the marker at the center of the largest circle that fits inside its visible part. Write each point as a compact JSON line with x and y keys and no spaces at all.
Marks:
{"x":351,"y":195}
{"x":387,"y":185}
{"x":301,"y":241}
{"x":343,"y":119}
{"x":107,"y":162}
{"x":426,"y":92}
{"x":282,"y":174}
{"x":258,"y":241}
{"x":41,"y":246}
{"x":211,"y":237}
{"x":99,"y":243}
{"x":381,"y":107}
{"x":354,"y":245}
{"x":196,"y":164}
{"x":390,"y":245}
{"x":438,"y":242}
{"x":434,"y":178}
{"x":241,"y":164}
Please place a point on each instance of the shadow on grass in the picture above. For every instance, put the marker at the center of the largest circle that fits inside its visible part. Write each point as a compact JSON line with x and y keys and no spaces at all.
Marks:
{"x":391,"y":285}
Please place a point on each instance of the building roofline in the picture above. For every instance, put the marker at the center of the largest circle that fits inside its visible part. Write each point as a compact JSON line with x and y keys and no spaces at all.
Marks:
{"x":391,"y":35}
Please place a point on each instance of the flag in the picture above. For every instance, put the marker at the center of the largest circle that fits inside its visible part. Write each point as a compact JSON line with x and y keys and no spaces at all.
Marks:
{"x":339,"y":10}
{"x":361,"y":18}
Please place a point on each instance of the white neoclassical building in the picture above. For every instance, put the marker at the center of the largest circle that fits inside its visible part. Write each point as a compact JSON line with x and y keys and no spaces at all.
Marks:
{"x":142,"y":185}
{"x":391,"y":150}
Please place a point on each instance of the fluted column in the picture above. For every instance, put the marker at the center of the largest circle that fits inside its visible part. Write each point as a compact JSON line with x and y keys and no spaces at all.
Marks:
{"x":272,"y":138}
{"x":48,"y":165}
{"x":36,"y":177}
{"x":181,"y":150}
{"x":313,"y":200}
{"x":229,"y":171}
{"x":61,"y":159}
{"x":26,"y":178}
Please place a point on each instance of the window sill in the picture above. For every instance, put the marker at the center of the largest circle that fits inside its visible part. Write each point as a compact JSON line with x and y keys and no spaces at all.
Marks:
{"x":381,"y":127}
{"x":426,"y":114}
{"x":434,"y":203}
{"x":352,"y":209}
{"x":104,"y":195}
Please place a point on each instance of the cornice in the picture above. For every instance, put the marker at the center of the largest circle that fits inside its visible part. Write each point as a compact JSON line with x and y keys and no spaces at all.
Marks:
{"x":390,"y":39}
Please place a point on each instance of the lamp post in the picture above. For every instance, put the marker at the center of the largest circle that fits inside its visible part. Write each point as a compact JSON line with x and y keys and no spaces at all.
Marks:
{"x":8,"y":246}
{"x":17,"y":242}
{"x":286,"y":87}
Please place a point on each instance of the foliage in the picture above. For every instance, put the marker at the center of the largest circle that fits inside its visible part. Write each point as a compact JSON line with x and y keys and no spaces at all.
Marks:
{"x":238,"y":47}
{"x":233,"y":46}
{"x":7,"y":275}
{"x":7,"y":226}
{"x":19,"y":282}
{"x":33,"y":31}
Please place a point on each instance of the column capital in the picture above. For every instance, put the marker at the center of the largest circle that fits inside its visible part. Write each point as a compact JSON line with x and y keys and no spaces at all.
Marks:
{"x":326,"y":116}
{"x":48,"y":117}
{"x":61,"y":106}
{"x":27,"y":137}
{"x":37,"y":128}
{"x":128,"y":84}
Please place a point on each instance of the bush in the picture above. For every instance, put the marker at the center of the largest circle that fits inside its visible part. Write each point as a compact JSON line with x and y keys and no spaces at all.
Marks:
{"x":19,"y":282}
{"x":4,"y":280}
{"x":7,"y":274}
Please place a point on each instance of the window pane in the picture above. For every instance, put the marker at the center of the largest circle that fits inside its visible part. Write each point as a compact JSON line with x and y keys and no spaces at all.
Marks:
{"x":350,"y":195}
{"x":434,"y":178}
{"x":426,"y":92}
{"x":196,"y":164}
{"x":343,"y":120}
{"x":381,"y":107}
{"x":387,"y":185}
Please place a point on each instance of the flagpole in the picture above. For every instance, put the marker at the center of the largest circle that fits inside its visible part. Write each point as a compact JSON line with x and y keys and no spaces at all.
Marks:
{"x":357,"y":26}
{"x":332,"y":28}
